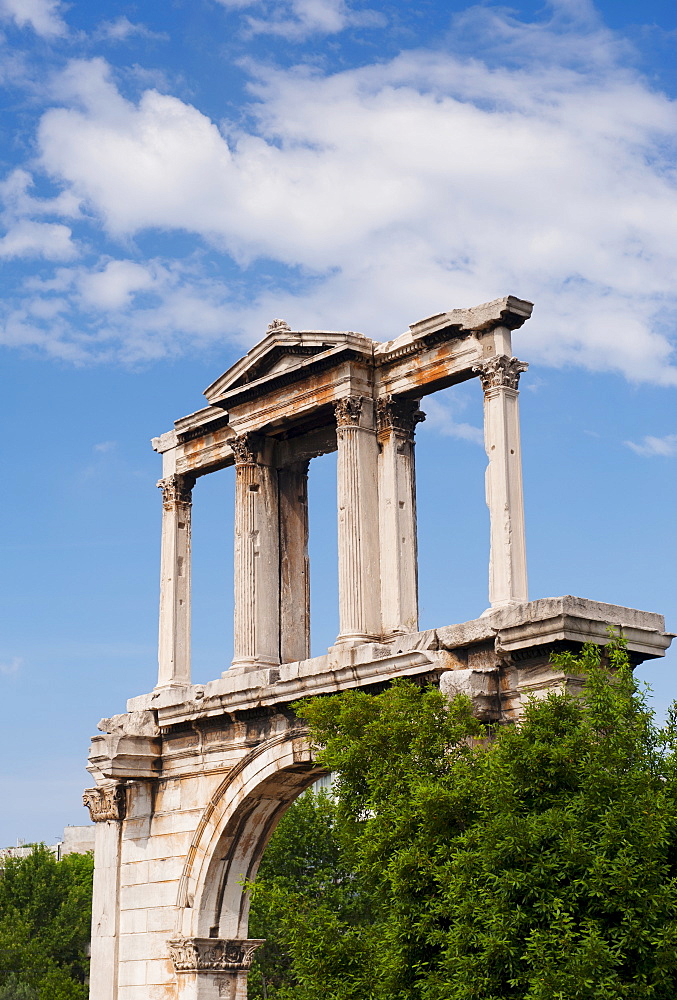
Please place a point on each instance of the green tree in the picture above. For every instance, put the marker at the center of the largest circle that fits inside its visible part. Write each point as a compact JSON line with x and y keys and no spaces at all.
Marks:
{"x":45,"y":914}
{"x":538,"y":862}
{"x":308,"y":906}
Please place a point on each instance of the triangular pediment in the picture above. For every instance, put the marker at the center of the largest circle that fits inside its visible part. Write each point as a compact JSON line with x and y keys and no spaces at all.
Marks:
{"x":281,"y":350}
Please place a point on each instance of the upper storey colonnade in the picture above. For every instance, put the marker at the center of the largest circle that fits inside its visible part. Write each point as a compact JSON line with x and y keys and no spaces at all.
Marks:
{"x":300,"y":394}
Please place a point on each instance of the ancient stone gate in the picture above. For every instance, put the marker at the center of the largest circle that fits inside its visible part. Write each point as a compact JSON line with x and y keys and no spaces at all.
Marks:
{"x":192,"y":779}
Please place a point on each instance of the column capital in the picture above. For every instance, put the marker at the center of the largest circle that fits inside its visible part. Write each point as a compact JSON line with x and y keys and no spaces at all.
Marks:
{"x":396,"y":414}
{"x":106,"y":802}
{"x":176,"y":489}
{"x":348,"y":411}
{"x":245,"y":448}
{"x":212,"y":954}
{"x":500,"y":372}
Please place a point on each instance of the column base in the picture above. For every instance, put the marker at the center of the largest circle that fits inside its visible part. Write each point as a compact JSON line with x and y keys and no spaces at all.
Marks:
{"x":248,"y":666}
{"x":356,"y":639}
{"x":392,"y":634}
{"x":503,"y":604}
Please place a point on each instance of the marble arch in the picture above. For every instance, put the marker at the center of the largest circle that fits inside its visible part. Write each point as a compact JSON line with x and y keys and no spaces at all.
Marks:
{"x":190,"y":781}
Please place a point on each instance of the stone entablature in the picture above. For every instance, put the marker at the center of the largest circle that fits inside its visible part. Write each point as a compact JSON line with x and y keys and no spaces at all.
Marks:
{"x":501,"y":640}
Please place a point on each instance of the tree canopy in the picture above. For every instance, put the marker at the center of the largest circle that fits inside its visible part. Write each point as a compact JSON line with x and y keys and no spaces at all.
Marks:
{"x":534,"y":862}
{"x":45,"y":915}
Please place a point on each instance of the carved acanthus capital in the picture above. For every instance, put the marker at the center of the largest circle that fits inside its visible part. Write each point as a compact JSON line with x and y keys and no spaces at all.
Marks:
{"x":500,"y":372}
{"x":348,"y":411}
{"x":176,"y":489}
{"x":278,"y":325}
{"x":212,"y":954}
{"x":107,"y":802}
{"x":400,"y":415}
{"x":244,"y":449}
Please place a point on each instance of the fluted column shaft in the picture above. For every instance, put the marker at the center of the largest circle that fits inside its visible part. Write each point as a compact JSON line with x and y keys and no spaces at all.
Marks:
{"x":507,"y":562}
{"x":175,"y":565}
{"x":257,"y":554}
{"x":294,"y":563}
{"x":358,"y":533}
{"x":396,"y":420}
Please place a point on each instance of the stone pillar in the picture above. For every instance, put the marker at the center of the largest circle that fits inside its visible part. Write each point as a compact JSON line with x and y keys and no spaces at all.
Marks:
{"x":294,"y":564}
{"x":507,"y":563}
{"x":174,"y":635}
{"x":396,"y":420}
{"x":257,"y":557}
{"x":358,"y":541}
{"x":107,"y":809}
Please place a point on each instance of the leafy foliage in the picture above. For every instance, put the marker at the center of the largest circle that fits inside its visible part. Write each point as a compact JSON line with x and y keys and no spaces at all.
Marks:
{"x":45,"y":914}
{"x":538,"y":862}
{"x":307,"y":905}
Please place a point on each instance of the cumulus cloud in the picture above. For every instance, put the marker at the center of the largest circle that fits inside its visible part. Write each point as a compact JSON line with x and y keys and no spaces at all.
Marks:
{"x":122,"y":29}
{"x":114,"y":286}
{"x":120,"y":310}
{"x":651,"y":446}
{"x":391,"y":191}
{"x":18,"y":202}
{"x":43,"y":16}
{"x":38,"y":239}
{"x":297,"y":20}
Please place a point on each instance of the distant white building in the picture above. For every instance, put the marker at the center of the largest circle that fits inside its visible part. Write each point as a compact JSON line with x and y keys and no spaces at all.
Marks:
{"x":76,"y":840}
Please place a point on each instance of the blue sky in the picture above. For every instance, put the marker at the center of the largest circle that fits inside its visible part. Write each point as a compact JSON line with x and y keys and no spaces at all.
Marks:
{"x":173,"y":176}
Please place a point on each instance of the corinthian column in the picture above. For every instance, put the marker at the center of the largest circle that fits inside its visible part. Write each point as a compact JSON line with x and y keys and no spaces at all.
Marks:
{"x":174,"y":633}
{"x":257,"y":557}
{"x":358,"y":541}
{"x":396,"y":420}
{"x":507,"y":564}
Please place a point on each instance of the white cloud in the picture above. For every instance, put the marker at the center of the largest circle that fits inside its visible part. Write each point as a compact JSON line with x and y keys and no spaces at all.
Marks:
{"x":121,"y":29}
{"x":440,"y":417}
{"x":392,"y":191}
{"x":18,"y":202}
{"x":114,"y":286}
{"x":651,"y":446}
{"x":121,"y":310}
{"x":38,"y":239}
{"x":11,"y":666}
{"x":43,"y":16}
{"x":297,"y":20}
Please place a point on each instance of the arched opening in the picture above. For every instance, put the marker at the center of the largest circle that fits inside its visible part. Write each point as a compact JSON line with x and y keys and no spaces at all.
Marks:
{"x":233,"y":833}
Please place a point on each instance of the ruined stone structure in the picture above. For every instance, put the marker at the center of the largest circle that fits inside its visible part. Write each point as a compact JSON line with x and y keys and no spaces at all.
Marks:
{"x":191,"y":781}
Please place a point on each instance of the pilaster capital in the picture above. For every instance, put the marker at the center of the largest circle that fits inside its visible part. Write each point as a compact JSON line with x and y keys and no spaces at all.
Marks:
{"x":395,"y":414}
{"x":348,"y":411}
{"x":176,"y":489}
{"x":212,"y":954}
{"x":106,"y":802}
{"x":500,"y":372}
{"x":244,"y":448}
